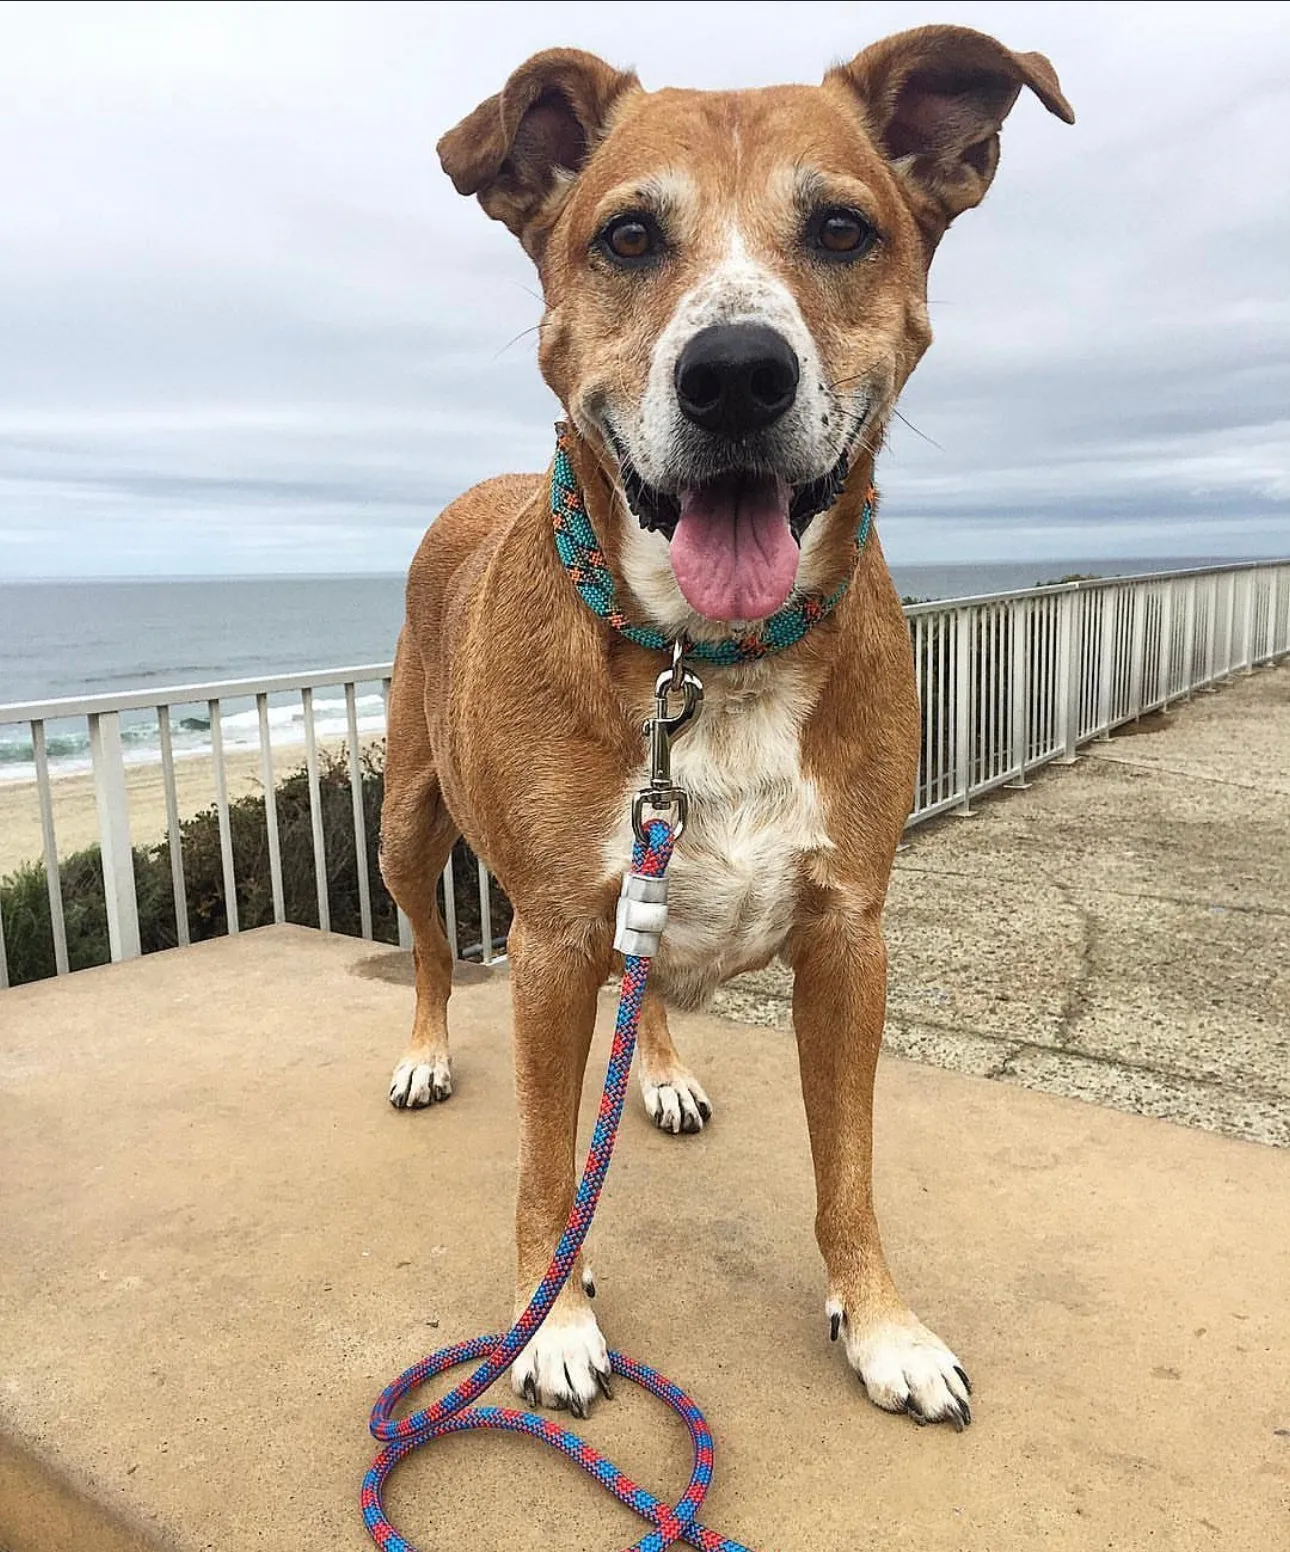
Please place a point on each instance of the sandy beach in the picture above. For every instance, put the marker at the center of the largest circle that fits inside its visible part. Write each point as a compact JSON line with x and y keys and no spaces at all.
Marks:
{"x":76,"y":815}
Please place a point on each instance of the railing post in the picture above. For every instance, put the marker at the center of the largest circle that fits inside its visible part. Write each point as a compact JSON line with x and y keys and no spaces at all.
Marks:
{"x":1248,"y":588}
{"x":114,"y":835}
{"x":1106,"y":663}
{"x":485,"y":913}
{"x":1137,"y":649}
{"x":1019,"y":674}
{"x":1067,"y":711}
{"x":450,"y":909}
{"x":1270,"y":633}
{"x":53,"y":880}
{"x":1189,"y":638}
{"x":405,"y":926}
{"x":222,"y":815}
{"x":964,"y":674}
{"x":1229,"y":635}
{"x":315,"y":810}
{"x":1166,"y":645}
{"x":1211,"y":635}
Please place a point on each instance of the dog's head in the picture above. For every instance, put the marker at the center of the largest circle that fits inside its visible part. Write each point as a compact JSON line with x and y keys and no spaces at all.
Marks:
{"x":735,"y":286}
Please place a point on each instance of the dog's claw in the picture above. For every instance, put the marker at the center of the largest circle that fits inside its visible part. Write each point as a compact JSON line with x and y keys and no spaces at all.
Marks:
{"x":606,"y":1389}
{"x":574,"y":1400}
{"x":835,"y":1325}
{"x":967,"y":1383}
{"x":530,"y":1391}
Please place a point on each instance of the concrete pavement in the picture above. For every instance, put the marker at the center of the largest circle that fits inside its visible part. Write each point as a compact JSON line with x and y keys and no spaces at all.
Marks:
{"x":220,"y":1241}
{"x":1119,"y":932}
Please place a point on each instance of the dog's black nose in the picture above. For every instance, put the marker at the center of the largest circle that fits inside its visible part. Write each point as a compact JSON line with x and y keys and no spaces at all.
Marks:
{"x":736,"y":378}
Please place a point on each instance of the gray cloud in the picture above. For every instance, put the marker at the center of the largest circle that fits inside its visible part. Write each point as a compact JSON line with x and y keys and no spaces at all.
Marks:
{"x":245,"y":324}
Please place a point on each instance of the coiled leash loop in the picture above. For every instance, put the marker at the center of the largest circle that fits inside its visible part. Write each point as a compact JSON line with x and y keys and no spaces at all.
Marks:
{"x":641,"y":912}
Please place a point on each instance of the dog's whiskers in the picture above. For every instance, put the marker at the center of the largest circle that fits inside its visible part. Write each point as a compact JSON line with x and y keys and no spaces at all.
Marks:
{"x":905,"y":420}
{"x":533,"y":329}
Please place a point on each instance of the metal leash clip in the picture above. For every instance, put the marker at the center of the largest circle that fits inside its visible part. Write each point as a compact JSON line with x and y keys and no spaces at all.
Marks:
{"x":642,"y":903}
{"x":662,"y":795}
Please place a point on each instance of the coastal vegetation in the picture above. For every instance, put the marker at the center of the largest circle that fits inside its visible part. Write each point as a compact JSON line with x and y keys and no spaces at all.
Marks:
{"x":24,"y":895}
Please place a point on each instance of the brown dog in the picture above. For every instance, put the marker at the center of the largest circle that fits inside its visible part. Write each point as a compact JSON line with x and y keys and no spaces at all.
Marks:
{"x":735,"y":290}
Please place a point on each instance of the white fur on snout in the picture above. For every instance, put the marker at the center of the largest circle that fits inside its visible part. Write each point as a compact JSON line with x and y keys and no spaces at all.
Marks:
{"x":415,"y":1084}
{"x":738,"y":290}
{"x":813,"y":434}
{"x":902,"y":1362}
{"x":563,"y":1359}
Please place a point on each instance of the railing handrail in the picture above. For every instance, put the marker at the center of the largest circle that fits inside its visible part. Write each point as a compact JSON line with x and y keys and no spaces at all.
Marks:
{"x":373,"y":673}
{"x":189,"y":694}
{"x":1087,"y":584}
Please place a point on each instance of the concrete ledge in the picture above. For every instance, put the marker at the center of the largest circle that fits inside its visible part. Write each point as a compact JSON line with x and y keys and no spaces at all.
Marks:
{"x":220,"y":1242}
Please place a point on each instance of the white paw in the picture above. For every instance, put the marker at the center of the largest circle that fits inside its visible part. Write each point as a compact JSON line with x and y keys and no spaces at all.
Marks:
{"x":675,"y":1101}
{"x":906,"y":1368}
{"x":417,"y":1084}
{"x":565,"y":1363}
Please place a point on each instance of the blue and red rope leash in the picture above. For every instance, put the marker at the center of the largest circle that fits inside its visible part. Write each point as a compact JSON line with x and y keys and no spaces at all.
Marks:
{"x":454,"y":1413}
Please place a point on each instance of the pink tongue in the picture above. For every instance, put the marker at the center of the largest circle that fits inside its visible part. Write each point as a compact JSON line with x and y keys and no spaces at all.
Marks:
{"x":733,"y":553}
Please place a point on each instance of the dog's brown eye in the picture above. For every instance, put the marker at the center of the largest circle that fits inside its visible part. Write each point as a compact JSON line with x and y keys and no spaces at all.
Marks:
{"x":841,"y":234}
{"x":630,"y":240}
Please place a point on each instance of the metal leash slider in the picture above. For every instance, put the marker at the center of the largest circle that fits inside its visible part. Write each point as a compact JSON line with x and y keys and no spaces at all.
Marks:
{"x":642,"y":904}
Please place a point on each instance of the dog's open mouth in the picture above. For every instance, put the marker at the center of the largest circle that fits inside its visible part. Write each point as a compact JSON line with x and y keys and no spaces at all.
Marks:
{"x":734,"y":538}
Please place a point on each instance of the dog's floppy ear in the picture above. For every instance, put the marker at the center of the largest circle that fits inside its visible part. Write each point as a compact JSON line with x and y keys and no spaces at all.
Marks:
{"x":935,"y":99}
{"x":521,"y":147}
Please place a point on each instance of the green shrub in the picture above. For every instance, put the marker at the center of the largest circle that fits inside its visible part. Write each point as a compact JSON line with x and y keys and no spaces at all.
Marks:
{"x":24,"y":899}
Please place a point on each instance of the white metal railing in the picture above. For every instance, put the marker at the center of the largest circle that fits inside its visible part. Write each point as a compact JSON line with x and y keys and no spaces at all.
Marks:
{"x":155,"y":714}
{"x":1007,"y":681}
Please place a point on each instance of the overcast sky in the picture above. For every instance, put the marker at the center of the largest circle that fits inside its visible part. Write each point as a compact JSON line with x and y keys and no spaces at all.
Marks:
{"x":247,"y":326}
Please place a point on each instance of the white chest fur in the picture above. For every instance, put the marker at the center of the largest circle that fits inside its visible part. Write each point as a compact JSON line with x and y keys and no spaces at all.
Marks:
{"x":754,"y":822}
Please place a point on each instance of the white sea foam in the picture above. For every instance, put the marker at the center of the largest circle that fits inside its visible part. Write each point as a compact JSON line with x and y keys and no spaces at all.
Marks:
{"x":68,"y":743}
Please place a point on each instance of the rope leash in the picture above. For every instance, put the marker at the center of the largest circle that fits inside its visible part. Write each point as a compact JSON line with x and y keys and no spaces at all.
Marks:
{"x":454,"y":1413}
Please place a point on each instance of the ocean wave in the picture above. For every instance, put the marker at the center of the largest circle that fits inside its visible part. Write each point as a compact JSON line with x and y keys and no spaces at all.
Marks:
{"x":68,"y":747}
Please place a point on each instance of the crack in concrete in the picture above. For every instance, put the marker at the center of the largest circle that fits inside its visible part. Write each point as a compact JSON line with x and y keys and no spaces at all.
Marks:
{"x":1003,"y":1068}
{"x":1076,"y":997}
{"x":1173,"y":770}
{"x":1196,"y":901}
{"x":1018,"y":1048}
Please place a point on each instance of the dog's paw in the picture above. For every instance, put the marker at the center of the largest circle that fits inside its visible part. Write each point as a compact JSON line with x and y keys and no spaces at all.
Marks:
{"x":675,"y":1101}
{"x":565,"y":1364}
{"x":905,"y":1367}
{"x":417,"y":1084}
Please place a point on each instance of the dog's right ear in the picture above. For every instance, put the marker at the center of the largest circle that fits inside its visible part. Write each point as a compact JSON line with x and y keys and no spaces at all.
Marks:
{"x":520,"y":150}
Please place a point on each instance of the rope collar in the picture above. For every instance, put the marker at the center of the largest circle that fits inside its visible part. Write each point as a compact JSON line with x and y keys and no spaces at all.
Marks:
{"x":582,"y":557}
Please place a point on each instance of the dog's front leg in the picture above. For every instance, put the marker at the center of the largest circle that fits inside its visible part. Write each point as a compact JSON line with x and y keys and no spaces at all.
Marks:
{"x":555,"y":976}
{"x":839,"y":1001}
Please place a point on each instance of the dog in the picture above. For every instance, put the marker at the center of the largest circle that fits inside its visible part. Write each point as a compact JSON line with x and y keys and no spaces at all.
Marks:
{"x":735,"y":294}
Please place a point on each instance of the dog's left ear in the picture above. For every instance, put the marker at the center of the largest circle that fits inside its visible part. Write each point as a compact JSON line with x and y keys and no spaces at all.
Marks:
{"x":935,"y":99}
{"x":519,"y":150}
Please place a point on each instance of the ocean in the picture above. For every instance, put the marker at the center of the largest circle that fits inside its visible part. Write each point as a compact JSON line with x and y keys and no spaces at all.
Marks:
{"x":89,"y":638}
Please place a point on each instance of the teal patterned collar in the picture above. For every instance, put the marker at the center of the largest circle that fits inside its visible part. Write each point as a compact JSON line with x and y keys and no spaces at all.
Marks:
{"x":584,"y":560}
